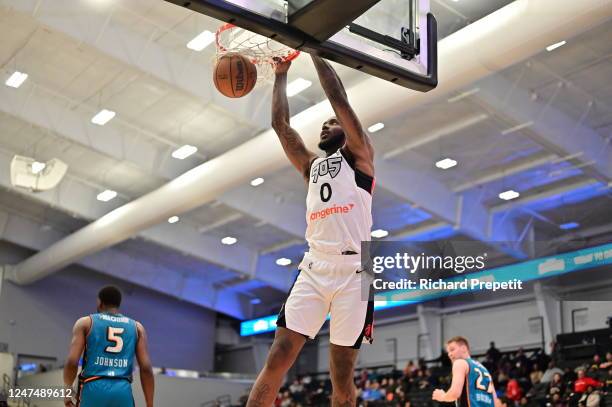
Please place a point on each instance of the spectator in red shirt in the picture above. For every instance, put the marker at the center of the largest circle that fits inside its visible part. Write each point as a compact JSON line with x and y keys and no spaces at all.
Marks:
{"x":513,"y":390}
{"x":583,"y":382}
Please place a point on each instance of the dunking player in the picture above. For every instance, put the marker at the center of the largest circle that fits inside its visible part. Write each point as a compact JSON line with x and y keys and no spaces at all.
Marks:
{"x":472,"y":385}
{"x":339,"y":218}
{"x":108,"y":342}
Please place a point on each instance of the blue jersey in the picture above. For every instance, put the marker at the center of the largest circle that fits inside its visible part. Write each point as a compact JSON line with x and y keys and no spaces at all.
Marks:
{"x":110,"y":347}
{"x":476,"y":387}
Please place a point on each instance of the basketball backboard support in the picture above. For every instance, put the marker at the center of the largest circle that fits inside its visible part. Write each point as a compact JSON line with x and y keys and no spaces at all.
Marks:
{"x":395,"y":40}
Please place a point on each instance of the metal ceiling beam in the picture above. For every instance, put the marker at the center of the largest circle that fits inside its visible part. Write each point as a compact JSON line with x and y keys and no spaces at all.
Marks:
{"x":550,"y":127}
{"x":263,"y":204}
{"x":198,"y":290}
{"x":371,"y":98}
{"x":78,"y":198}
{"x":566,"y":187}
{"x":465,"y":212}
{"x":515,"y":167}
{"x":36,"y":105}
{"x":97,"y":30}
{"x":437,"y":134}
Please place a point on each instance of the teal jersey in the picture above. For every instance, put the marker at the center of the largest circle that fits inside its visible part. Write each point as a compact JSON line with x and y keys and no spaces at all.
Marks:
{"x":476,"y":387}
{"x":110,"y":347}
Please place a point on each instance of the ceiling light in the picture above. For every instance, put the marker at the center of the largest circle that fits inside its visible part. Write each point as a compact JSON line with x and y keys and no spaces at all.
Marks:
{"x":228,"y":240}
{"x":509,"y":194}
{"x":106,"y":195}
{"x":379,"y":233}
{"x":298,"y":85}
{"x":201,"y":41}
{"x":446,"y":163}
{"x":16,"y":79}
{"x":255,"y":301}
{"x":184,"y":152}
{"x":569,"y":225}
{"x":173,"y":219}
{"x":375,"y":127}
{"x":103,"y":117}
{"x":257,"y":181}
{"x":555,"y":46}
{"x":283,"y":261}
{"x":38,"y":167}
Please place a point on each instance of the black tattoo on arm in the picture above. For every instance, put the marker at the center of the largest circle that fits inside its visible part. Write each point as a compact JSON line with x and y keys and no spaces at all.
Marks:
{"x":292,"y":143}
{"x":260,"y":394}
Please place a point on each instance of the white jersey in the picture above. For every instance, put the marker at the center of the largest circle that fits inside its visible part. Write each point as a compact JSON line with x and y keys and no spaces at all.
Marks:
{"x":338,"y":205}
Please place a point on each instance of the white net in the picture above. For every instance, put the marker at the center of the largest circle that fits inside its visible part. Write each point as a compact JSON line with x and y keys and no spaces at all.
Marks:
{"x":259,"y":49}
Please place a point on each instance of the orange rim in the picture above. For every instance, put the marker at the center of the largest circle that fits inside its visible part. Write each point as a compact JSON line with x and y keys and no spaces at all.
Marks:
{"x":228,"y":26}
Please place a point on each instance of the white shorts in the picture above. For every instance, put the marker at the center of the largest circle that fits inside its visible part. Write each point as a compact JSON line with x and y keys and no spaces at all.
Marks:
{"x":331,"y":284}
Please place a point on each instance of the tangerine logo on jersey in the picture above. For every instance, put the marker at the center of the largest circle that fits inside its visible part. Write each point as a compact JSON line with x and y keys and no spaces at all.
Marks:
{"x":333,"y":210}
{"x":329,"y":166}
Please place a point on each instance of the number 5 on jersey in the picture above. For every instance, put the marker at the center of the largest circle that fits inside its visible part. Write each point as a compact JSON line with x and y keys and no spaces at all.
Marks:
{"x":113,"y":335}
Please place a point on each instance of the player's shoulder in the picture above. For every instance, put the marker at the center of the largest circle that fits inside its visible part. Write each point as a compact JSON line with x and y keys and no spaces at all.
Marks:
{"x":461,"y":364}
{"x":83,"y":323}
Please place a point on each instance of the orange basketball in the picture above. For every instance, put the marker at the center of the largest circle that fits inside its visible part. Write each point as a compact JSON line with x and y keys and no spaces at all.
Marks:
{"x":234,"y":75}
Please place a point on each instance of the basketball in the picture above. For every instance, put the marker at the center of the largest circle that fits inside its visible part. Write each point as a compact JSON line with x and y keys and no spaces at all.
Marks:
{"x":234,"y":75}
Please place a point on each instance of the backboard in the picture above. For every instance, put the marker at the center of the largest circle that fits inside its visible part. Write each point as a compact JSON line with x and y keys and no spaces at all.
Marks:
{"x":395,"y":40}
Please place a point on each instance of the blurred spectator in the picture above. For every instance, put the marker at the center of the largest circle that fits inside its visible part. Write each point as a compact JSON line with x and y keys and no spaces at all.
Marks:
{"x":608,"y":363}
{"x":556,"y":401}
{"x":444,"y":359}
{"x":513,"y":390}
{"x":410,"y":368}
{"x":493,"y":353}
{"x":556,"y":386}
{"x":550,"y":372}
{"x":583,"y":382}
{"x":595,"y":363}
{"x":536,"y":375}
{"x":373,"y":392}
{"x":590,"y":398}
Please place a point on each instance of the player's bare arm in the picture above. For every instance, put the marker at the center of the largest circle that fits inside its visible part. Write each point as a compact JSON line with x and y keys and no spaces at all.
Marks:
{"x":291,"y":141}
{"x":496,"y":400}
{"x":147,"y":379}
{"x":357,"y":140}
{"x":460,"y":371}
{"x":77,"y":345}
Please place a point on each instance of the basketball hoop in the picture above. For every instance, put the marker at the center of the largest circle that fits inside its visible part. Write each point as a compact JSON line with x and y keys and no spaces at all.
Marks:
{"x":260,"y":50}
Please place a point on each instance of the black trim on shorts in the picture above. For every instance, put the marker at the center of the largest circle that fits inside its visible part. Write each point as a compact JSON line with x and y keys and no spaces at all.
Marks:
{"x":281,"y":320}
{"x":368,"y":325}
{"x":362,"y":180}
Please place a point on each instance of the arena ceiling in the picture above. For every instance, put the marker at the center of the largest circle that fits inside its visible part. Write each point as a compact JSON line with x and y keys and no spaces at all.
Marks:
{"x":523,"y":128}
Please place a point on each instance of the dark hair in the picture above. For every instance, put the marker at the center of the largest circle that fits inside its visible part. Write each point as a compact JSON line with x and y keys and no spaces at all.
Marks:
{"x":459,"y":339}
{"x":110,"y":296}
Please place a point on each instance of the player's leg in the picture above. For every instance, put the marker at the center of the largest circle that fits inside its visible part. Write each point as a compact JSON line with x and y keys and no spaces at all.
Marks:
{"x":285,"y":349}
{"x":352,"y":312}
{"x":342,"y":366}
{"x":301,"y":317}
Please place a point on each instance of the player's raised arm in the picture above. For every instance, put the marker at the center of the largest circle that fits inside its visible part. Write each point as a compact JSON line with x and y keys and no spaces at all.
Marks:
{"x":147,"y":380}
{"x":77,"y":344}
{"x":357,"y":140}
{"x":291,"y":141}
{"x":460,"y":370}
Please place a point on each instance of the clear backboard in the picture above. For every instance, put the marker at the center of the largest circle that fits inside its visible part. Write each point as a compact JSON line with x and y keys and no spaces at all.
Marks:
{"x":392,"y":39}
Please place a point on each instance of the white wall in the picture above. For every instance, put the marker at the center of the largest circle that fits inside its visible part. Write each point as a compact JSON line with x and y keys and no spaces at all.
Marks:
{"x":37,"y":319}
{"x":506,"y":325}
{"x":169,"y":391}
{"x":594,"y":318}
{"x":7,"y":364}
